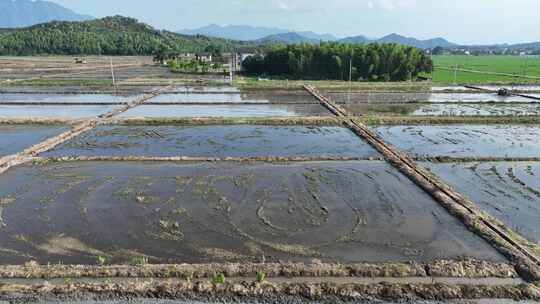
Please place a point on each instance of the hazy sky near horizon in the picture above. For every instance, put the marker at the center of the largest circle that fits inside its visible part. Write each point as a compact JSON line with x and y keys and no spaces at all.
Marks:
{"x":460,"y":21}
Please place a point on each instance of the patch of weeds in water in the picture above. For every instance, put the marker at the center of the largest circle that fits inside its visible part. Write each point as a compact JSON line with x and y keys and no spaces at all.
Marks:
{"x":182,"y":182}
{"x":47,"y":200}
{"x":139,"y":261}
{"x":244,"y":180}
{"x":179,"y":211}
{"x":101,"y":260}
{"x":4,"y":202}
{"x":261,"y":276}
{"x":41,"y":161}
{"x":218,"y":279}
{"x":170,"y":231}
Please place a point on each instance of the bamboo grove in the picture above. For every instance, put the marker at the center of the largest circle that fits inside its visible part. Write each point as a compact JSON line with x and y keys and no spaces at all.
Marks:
{"x":338,"y":61}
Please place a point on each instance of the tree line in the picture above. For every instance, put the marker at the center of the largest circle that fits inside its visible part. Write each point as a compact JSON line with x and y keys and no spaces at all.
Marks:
{"x":339,"y":61}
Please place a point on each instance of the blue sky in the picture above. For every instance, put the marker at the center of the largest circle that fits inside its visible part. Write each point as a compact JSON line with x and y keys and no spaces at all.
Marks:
{"x":461,"y":21}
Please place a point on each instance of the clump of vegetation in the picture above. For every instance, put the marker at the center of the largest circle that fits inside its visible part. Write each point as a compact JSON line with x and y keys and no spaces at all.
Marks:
{"x":218,"y":279}
{"x":195,"y":66}
{"x":139,"y":261}
{"x":101,"y":260}
{"x":261,"y":276}
{"x":339,"y":61}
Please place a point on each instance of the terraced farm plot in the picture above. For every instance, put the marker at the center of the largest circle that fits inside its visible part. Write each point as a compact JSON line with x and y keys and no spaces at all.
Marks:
{"x":532,"y":109}
{"x":64,"y":98}
{"x":236,"y":97}
{"x":444,"y":109}
{"x":464,"y":140}
{"x":15,"y":138}
{"x":211,"y":212}
{"x":216,"y":141}
{"x":507,"y":190}
{"x":53,"y":111}
{"x":261,"y":110}
{"x":400,"y":97}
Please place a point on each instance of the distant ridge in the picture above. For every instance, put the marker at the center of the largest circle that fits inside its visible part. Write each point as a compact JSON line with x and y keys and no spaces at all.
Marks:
{"x":287,"y":38}
{"x":277,"y":35}
{"x":23,"y":13}
{"x":423,"y":44}
{"x":249,"y":33}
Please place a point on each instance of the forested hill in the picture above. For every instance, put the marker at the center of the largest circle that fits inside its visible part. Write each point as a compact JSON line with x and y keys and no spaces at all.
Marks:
{"x":108,"y":36}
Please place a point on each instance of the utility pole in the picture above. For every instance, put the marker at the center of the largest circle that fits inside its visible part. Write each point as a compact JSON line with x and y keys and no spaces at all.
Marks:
{"x":455,"y":74}
{"x":112,"y":74}
{"x":350,"y":74}
{"x":526,"y":65}
{"x":232,"y":66}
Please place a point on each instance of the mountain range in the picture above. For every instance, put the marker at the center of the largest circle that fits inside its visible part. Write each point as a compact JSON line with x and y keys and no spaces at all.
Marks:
{"x":267,"y":34}
{"x":22,"y":13}
{"x":251,"y":33}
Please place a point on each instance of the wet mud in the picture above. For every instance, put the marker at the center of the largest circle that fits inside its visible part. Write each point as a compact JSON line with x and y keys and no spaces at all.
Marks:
{"x":464,"y":140}
{"x":133,"y":212}
{"x":215,"y":141}
{"x":221,"y":110}
{"x":510,"y":191}
{"x":15,"y":138}
{"x":232,"y":292}
{"x":449,"y":271}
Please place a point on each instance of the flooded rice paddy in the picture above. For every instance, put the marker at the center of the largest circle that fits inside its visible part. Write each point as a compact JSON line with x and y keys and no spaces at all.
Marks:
{"x":64,"y":98}
{"x":53,"y":111}
{"x":519,"y":88}
{"x":172,"y":213}
{"x":395,"y":97}
{"x":445,"y":109}
{"x":260,"y":110}
{"x":464,"y":140}
{"x":216,"y":97}
{"x":477,"y":110}
{"x":507,"y":190}
{"x":216,"y":141}
{"x":16,"y":138}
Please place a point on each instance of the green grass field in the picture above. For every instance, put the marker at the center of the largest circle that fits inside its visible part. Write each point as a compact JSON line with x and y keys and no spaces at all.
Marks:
{"x":516,"y":65}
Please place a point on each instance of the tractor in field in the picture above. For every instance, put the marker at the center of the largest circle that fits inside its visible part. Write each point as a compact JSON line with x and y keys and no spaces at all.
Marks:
{"x":504,"y":92}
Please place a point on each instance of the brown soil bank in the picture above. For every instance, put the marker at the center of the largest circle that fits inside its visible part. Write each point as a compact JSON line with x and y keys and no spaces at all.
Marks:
{"x":321,"y":291}
{"x":441,"y":269}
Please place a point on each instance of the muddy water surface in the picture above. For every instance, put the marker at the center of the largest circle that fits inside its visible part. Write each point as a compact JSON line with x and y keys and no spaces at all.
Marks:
{"x":262,"y":110}
{"x":424,"y":98}
{"x":478,"y":110}
{"x":464,"y":140}
{"x":174,"y":213}
{"x":53,"y":111}
{"x":64,"y":98}
{"x":444,"y":109}
{"x":216,"y":141}
{"x":509,"y":191}
{"x":16,"y":138}
{"x":214,"y":97}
